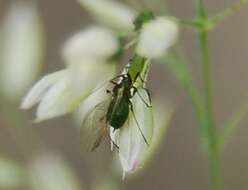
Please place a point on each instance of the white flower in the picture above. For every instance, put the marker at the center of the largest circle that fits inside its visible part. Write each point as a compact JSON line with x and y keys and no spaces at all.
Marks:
{"x":132,"y":145}
{"x":40,"y":88}
{"x":50,"y":172}
{"x":62,"y":92}
{"x":22,"y":47}
{"x":94,"y":42}
{"x":156,"y":37}
{"x":11,"y":174}
{"x":111,"y":13}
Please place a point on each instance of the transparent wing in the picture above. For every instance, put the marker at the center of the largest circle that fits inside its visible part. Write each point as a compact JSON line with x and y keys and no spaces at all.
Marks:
{"x":94,"y":127}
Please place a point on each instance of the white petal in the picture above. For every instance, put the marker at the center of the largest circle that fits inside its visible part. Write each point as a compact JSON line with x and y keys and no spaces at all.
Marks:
{"x":22,"y":49}
{"x":40,"y":88}
{"x":157,"y":37}
{"x":94,"y":42}
{"x":112,"y":13}
{"x":88,"y":74}
{"x":50,"y":172}
{"x":132,"y":145}
{"x":59,"y":100}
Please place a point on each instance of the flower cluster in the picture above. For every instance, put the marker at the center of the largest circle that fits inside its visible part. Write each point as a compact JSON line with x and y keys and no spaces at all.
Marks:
{"x":90,"y":58}
{"x":86,"y":56}
{"x":21,"y":54}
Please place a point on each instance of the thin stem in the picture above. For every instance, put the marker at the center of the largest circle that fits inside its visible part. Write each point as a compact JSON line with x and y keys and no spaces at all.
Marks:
{"x":201,"y":13}
{"x":228,"y":11}
{"x":211,"y":134}
{"x":232,"y":124}
{"x":186,"y":22}
{"x":177,"y":65}
{"x":130,"y":44}
{"x":206,"y":74}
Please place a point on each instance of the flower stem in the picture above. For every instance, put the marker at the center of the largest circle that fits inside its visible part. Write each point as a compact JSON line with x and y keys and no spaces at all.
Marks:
{"x":210,"y":131}
{"x":211,"y":135}
{"x":232,"y":124}
{"x":228,"y":11}
{"x":177,"y":64}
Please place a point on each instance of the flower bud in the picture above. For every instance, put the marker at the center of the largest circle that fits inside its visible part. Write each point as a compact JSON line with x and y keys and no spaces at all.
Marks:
{"x":111,"y":13}
{"x":22,"y":49}
{"x":93,"y":43}
{"x":156,"y":37}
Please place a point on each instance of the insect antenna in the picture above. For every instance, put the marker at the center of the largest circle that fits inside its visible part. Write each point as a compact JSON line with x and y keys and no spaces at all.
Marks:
{"x":137,"y":123}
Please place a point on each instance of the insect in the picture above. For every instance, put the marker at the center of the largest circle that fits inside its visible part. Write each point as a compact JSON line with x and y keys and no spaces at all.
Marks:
{"x":121,"y":104}
{"x":115,"y":111}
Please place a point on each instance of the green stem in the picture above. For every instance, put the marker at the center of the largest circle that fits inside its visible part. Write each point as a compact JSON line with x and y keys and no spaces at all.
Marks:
{"x":211,"y":133}
{"x":228,"y":11}
{"x":177,"y":65}
{"x":232,"y":124}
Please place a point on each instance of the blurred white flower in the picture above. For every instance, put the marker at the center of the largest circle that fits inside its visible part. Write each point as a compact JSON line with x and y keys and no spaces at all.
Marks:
{"x":156,"y":37}
{"x":132,"y":145}
{"x":50,"y":172}
{"x":11,"y":174}
{"x":62,"y":92}
{"x":111,"y":13}
{"x":22,"y":47}
{"x":94,"y":42}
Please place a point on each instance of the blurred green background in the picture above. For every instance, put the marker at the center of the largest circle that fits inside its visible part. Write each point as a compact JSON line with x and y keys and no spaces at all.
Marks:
{"x":179,"y":163}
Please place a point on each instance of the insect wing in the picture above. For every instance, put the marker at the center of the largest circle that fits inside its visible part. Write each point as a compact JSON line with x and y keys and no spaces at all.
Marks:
{"x":94,"y":127}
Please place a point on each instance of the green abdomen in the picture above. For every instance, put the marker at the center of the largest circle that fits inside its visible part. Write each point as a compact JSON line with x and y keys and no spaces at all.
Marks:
{"x":118,"y":112}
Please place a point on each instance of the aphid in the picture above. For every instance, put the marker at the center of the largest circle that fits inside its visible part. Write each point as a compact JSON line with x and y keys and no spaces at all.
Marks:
{"x":121,"y":104}
{"x":113,"y":112}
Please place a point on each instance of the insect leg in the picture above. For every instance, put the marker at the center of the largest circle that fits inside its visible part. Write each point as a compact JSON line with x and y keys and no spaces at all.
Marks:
{"x":126,"y":68}
{"x":149,"y":96}
{"x":112,"y":141}
{"x":113,"y":79}
{"x":149,"y":105}
{"x":143,"y":87}
{"x":110,"y":92}
{"x":138,"y":75}
{"x":137,"y":123}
